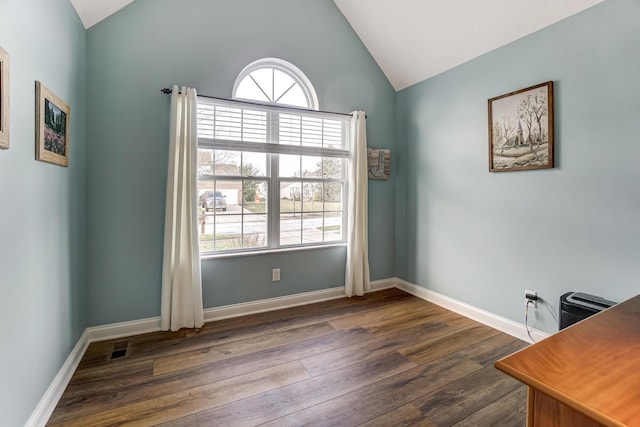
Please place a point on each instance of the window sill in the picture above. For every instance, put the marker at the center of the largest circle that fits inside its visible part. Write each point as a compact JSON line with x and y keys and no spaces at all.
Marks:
{"x":269,"y":251}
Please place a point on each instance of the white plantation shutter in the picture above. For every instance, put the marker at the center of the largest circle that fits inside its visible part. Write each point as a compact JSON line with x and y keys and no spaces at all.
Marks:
{"x":243,"y":126}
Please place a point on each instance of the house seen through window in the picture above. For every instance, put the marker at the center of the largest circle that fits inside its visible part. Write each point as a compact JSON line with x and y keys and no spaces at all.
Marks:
{"x":271,"y":170}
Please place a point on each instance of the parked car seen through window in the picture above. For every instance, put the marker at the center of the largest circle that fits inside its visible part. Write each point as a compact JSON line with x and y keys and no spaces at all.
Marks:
{"x":213,"y":200}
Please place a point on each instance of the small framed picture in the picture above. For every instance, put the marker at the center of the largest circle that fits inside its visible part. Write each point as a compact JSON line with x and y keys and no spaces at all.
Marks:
{"x":4,"y":99}
{"x":379,"y":163}
{"x":52,"y":127}
{"x":521,"y":129}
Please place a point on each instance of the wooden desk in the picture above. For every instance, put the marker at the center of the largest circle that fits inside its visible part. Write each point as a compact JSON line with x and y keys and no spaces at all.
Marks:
{"x":585,"y":375}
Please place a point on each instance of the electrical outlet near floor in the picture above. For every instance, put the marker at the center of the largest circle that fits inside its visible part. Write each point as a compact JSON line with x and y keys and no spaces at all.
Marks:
{"x":534,"y":300}
{"x":275,"y":275}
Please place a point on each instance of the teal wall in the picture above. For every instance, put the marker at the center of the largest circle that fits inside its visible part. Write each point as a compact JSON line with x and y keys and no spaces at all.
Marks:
{"x":42,"y":207}
{"x":204,"y":44}
{"x":83,"y":245}
{"x":482,"y":237}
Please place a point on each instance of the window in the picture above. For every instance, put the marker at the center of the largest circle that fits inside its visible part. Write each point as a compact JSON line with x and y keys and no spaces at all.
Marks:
{"x":275,"y":81}
{"x":270,"y":176}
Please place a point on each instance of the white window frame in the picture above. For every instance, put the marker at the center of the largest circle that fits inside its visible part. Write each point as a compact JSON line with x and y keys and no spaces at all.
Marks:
{"x":286,"y":67}
{"x":274,"y":148}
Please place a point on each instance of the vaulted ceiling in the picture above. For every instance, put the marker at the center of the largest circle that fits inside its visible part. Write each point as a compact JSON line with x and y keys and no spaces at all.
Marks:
{"x":412,"y":40}
{"x":91,"y":11}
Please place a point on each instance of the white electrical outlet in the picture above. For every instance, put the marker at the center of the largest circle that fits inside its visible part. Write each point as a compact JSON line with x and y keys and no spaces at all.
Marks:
{"x":534,"y":301}
{"x":275,"y":275}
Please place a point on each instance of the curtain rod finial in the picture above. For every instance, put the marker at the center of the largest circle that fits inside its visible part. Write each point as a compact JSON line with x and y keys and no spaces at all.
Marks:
{"x":166,"y":91}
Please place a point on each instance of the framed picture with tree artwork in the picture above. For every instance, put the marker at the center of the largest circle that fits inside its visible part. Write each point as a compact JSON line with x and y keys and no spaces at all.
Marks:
{"x":52,"y":127}
{"x":4,"y":99}
{"x":521,"y":129}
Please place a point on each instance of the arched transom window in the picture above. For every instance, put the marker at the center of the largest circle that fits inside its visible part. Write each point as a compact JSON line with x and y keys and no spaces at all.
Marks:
{"x":275,"y":81}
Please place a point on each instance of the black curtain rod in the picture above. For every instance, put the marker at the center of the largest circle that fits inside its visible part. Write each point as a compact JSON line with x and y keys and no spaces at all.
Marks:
{"x":168,"y":91}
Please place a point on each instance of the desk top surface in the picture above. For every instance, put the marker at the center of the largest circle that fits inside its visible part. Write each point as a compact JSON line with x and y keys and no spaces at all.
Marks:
{"x":592,"y":366}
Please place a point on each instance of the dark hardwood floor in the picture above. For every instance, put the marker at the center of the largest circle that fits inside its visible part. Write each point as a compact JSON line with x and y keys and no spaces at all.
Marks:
{"x":386,"y":359}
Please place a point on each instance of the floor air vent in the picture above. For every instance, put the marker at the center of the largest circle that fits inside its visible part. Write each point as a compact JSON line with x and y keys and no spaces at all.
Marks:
{"x":119,"y":350}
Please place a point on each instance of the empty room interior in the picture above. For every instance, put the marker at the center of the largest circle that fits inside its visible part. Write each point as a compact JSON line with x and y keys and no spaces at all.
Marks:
{"x":319,"y":212}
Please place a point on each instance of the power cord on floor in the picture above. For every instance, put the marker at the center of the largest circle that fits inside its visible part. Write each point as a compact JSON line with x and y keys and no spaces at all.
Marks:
{"x":526,"y":319}
{"x":526,"y":315}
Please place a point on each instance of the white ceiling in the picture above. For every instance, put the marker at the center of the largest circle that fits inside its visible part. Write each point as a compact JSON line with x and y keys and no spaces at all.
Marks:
{"x":412,"y":40}
{"x":93,"y":11}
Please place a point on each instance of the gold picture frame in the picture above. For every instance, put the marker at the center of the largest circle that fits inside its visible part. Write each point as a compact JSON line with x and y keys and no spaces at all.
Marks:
{"x":521,"y":129}
{"x":52,"y":127}
{"x":4,"y":99}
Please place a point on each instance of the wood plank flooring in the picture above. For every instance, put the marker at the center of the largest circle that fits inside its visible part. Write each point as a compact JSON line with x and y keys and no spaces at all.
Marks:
{"x":386,"y":359}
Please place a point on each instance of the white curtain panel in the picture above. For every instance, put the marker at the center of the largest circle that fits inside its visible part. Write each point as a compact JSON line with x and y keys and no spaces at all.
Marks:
{"x":181,"y":277}
{"x":357,"y":281}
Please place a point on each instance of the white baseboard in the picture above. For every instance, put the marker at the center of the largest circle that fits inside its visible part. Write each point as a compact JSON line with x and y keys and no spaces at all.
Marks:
{"x":500,"y":323}
{"x":271,"y":304}
{"x":152,"y":324}
{"x":380,"y":285}
{"x":288,"y":301}
{"x":47,"y":404}
{"x":123,"y":329}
